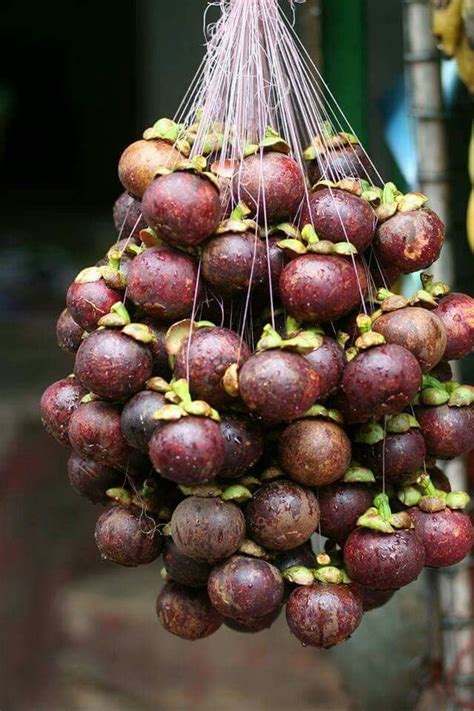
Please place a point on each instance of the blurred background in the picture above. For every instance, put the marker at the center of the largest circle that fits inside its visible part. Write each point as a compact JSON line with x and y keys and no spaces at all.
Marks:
{"x":78,"y":82}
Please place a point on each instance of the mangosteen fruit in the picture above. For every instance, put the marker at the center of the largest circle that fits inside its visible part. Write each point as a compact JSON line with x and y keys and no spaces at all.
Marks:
{"x":323,"y":615}
{"x":439,"y":479}
{"x":206,"y":359}
{"x":278,"y":385}
{"x":383,"y":561}
{"x":341,"y":505}
{"x":68,"y":333}
{"x":233,"y":261}
{"x":380,"y":381}
{"x":372,"y":599}
{"x":161,"y":364}
{"x":183,"y":569}
{"x":418,"y":330}
{"x":95,"y":433}
{"x":183,"y":208}
{"x":187,"y":612}
{"x":243,"y":441}
{"x":164,"y":283}
{"x":314,"y":452}
{"x":271,"y":184}
{"x":282,"y":515}
{"x":321,"y":287}
{"x":243,"y":587}
{"x":207,"y":529}
{"x":112,"y":365}
{"x":188,"y":451}
{"x":329,"y":361}
{"x":128,"y":219}
{"x":301,"y":556}
{"x":137,"y":421}
{"x":127,"y":537}
{"x":347,"y":161}
{"x":448,"y":431}
{"x":141,"y":161}
{"x":338,"y":216}
{"x":456,"y":312}
{"x":382,"y":275}
{"x":410,"y":240}
{"x":58,"y":402}
{"x":92,"y":479}
{"x":446,"y":535}
{"x":251,"y":625}
{"x":88,"y":301}
{"x":396,"y":456}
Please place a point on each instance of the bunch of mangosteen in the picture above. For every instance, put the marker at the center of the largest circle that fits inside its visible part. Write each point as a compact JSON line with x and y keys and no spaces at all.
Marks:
{"x":246,"y":381}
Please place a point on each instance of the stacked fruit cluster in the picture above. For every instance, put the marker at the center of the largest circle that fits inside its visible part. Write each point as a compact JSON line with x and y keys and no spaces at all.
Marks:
{"x":222,"y":434}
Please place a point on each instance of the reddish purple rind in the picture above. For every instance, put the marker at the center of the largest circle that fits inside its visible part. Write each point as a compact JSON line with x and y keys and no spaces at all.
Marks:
{"x":380,"y":381}
{"x":187,"y":612}
{"x":187,"y":451}
{"x":323,"y":615}
{"x":91,"y":479}
{"x":163,"y":282}
{"x":446,"y":535}
{"x":207,"y":529}
{"x":243,"y":440}
{"x":341,"y":505}
{"x":127,"y":538}
{"x":321,"y":287}
{"x":383,"y":561}
{"x":281,"y":515}
{"x":159,"y":330}
{"x":127,"y":214}
{"x":418,"y":330}
{"x":183,"y":208}
{"x":340,"y":216}
{"x":113,"y":365}
{"x":439,"y":479}
{"x":95,"y":433}
{"x":88,"y":302}
{"x":140,"y":162}
{"x":242,"y":588}
{"x":314,"y":452}
{"x":278,"y":385}
{"x":383,"y":275}
{"x":211,"y":352}
{"x":232,"y":261}
{"x":448,"y":431}
{"x":272,"y":184}
{"x":410,"y":240}
{"x":137,"y":421}
{"x":301,"y":555}
{"x":397,"y":455}
{"x":277,"y":261}
{"x":251,"y":625}
{"x":456,"y":312}
{"x":329,"y":361}
{"x":58,"y":403}
{"x":68,"y":333}
{"x":183,"y":569}
{"x":346,"y":162}
{"x":372,"y":599}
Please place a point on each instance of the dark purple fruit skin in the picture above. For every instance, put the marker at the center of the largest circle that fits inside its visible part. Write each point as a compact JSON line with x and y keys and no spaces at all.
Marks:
{"x":183,"y":208}
{"x":187,"y":451}
{"x":341,"y":505}
{"x":211,"y":352}
{"x":88,"y":302}
{"x":68,"y":333}
{"x":448,"y":431}
{"x":442,"y":371}
{"x":58,"y":403}
{"x":329,"y":362}
{"x":340,"y":216}
{"x":410,"y":240}
{"x":137,"y":420}
{"x":251,"y":625}
{"x":397,"y":455}
{"x":282,"y":515}
{"x":183,"y":569}
{"x":323,"y":615}
{"x":95,"y":433}
{"x":372,"y":599}
{"x":113,"y":365}
{"x":187,"y":612}
{"x":127,"y":538}
{"x":456,"y":312}
{"x":446,"y":535}
{"x":243,"y":440}
{"x":277,"y":261}
{"x":140,"y":162}
{"x":91,"y":479}
{"x":314,"y":452}
{"x":161,"y":364}
{"x":383,"y":561}
{"x":274,"y":179}
{"x":278,"y":385}
{"x":439,"y":479}
{"x":244,"y":587}
{"x":301,"y":555}
{"x":320,"y":287}
{"x":128,"y":219}
{"x":232,"y":261}
{"x":418,"y":330}
{"x":207,"y":529}
{"x":384,"y":275}
{"x":346,"y":162}
{"x":381,"y":381}
{"x":163,"y":283}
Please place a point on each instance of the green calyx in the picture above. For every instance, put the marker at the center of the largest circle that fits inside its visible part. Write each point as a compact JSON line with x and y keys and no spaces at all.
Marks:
{"x":389,"y":200}
{"x":250,"y":548}
{"x":328,"y":140}
{"x":302,"y":342}
{"x":196,"y":165}
{"x":433,"y":499}
{"x":433,"y":392}
{"x":145,"y":499}
{"x":308,"y":242}
{"x":379,"y":517}
{"x":318,"y":410}
{"x":356,"y":474}
{"x":373,"y":432}
{"x":167,"y":130}
{"x":118,"y":317}
{"x":238,"y":221}
{"x":368,"y":338}
{"x":182,"y":405}
{"x":272,"y":141}
{"x":180,"y":332}
{"x":213,"y":490}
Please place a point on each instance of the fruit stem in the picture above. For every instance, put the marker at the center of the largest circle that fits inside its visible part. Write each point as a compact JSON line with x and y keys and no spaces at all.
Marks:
{"x":382,"y":503}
